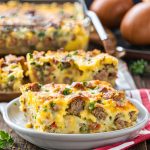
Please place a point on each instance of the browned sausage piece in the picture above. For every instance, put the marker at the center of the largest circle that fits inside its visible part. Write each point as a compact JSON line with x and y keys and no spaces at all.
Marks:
{"x":77,"y":105}
{"x":78,"y":85}
{"x":99,"y":113}
{"x":67,"y":80}
{"x":94,"y":126}
{"x":35,"y":87}
{"x":103,"y":89}
{"x":119,"y":98}
{"x":101,"y":75}
{"x":133,"y":116}
{"x":120,"y":124}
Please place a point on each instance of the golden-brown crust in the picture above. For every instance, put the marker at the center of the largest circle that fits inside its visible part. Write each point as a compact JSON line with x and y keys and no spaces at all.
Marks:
{"x":77,"y":108}
{"x":72,"y":66}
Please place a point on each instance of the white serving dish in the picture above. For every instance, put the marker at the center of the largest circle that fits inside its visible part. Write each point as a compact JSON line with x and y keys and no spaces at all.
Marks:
{"x":16,"y":120}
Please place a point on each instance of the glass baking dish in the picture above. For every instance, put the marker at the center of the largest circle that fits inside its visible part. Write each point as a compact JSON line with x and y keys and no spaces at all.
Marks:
{"x":43,"y":25}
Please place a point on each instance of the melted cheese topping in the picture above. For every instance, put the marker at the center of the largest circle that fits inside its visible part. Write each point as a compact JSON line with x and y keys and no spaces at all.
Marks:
{"x":42,"y":26}
{"x":73,"y":66}
{"x":11,"y":74}
{"x":83,"y":107}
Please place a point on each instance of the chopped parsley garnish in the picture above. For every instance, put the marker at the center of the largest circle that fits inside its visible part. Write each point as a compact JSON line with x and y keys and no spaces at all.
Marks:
{"x":68,"y":55}
{"x":30,"y":55}
{"x":41,"y":34}
{"x":52,"y":104}
{"x":15,"y":104}
{"x":57,"y":32}
{"x":85,"y":83}
{"x":6,"y":140}
{"x":46,"y":90}
{"x":139,"y":67}
{"x":34,"y":116}
{"x":75,"y":53}
{"x":45,"y":108}
{"x":11,"y":77}
{"x":60,"y":66}
{"x":92,"y":92}
{"x":67,"y":91}
{"x":89,"y":59}
{"x":64,"y":65}
{"x":91,"y":106}
{"x":84,"y":128}
{"x":33,"y":63}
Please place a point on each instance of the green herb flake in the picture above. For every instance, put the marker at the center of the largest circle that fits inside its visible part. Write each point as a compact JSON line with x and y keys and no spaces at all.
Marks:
{"x":84,"y":128}
{"x":41,"y":34}
{"x":92,"y":92}
{"x":60,"y":66}
{"x":15,"y":104}
{"x":75,"y":53}
{"x":85,"y":83}
{"x":6,"y":140}
{"x":91,"y":106}
{"x":11,"y":77}
{"x":52,"y":104}
{"x":67,"y":91}
{"x":68,"y":55}
{"x":30,"y":55}
{"x":40,"y":85}
{"x":138,"y":67}
{"x":33,"y":63}
{"x":45,"y":108}
{"x":34,"y":116}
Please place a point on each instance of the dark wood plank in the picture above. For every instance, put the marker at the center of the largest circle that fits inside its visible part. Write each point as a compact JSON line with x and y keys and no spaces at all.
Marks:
{"x":142,"y":82}
{"x":148,"y":144}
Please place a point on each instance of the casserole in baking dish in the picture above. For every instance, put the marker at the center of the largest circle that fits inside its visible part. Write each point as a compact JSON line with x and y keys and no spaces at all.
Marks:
{"x":25,"y":27}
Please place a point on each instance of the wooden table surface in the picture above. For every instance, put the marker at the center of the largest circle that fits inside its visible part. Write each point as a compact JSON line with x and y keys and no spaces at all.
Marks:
{"x":20,"y":144}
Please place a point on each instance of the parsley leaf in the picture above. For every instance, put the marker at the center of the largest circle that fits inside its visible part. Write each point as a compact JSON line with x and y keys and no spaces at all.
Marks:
{"x":138,"y":67}
{"x":52,"y":104}
{"x":84,"y":128}
{"x":6,"y":140}
{"x":67,"y":91}
{"x":91,"y":106}
{"x":41,"y":34}
{"x":11,"y":77}
{"x":85,"y":83}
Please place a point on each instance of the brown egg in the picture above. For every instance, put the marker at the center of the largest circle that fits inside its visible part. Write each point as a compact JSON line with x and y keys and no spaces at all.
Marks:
{"x":111,"y":12}
{"x":135,"y":26}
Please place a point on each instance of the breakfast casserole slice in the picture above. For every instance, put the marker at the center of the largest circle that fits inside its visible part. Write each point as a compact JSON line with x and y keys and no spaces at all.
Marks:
{"x":67,"y":67}
{"x":11,"y":73}
{"x":82,"y":107}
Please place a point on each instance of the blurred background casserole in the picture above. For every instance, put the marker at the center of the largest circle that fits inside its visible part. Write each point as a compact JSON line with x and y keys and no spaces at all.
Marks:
{"x":25,"y":27}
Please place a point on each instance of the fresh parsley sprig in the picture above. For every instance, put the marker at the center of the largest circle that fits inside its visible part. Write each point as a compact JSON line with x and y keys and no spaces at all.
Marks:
{"x":139,"y":67}
{"x":6,"y":140}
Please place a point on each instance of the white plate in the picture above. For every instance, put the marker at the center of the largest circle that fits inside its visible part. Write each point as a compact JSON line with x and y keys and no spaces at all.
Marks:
{"x":16,"y":120}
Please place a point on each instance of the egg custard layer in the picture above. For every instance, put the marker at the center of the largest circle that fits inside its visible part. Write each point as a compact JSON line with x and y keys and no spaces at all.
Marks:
{"x":82,"y":107}
{"x":11,"y":73}
{"x":67,"y":67}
